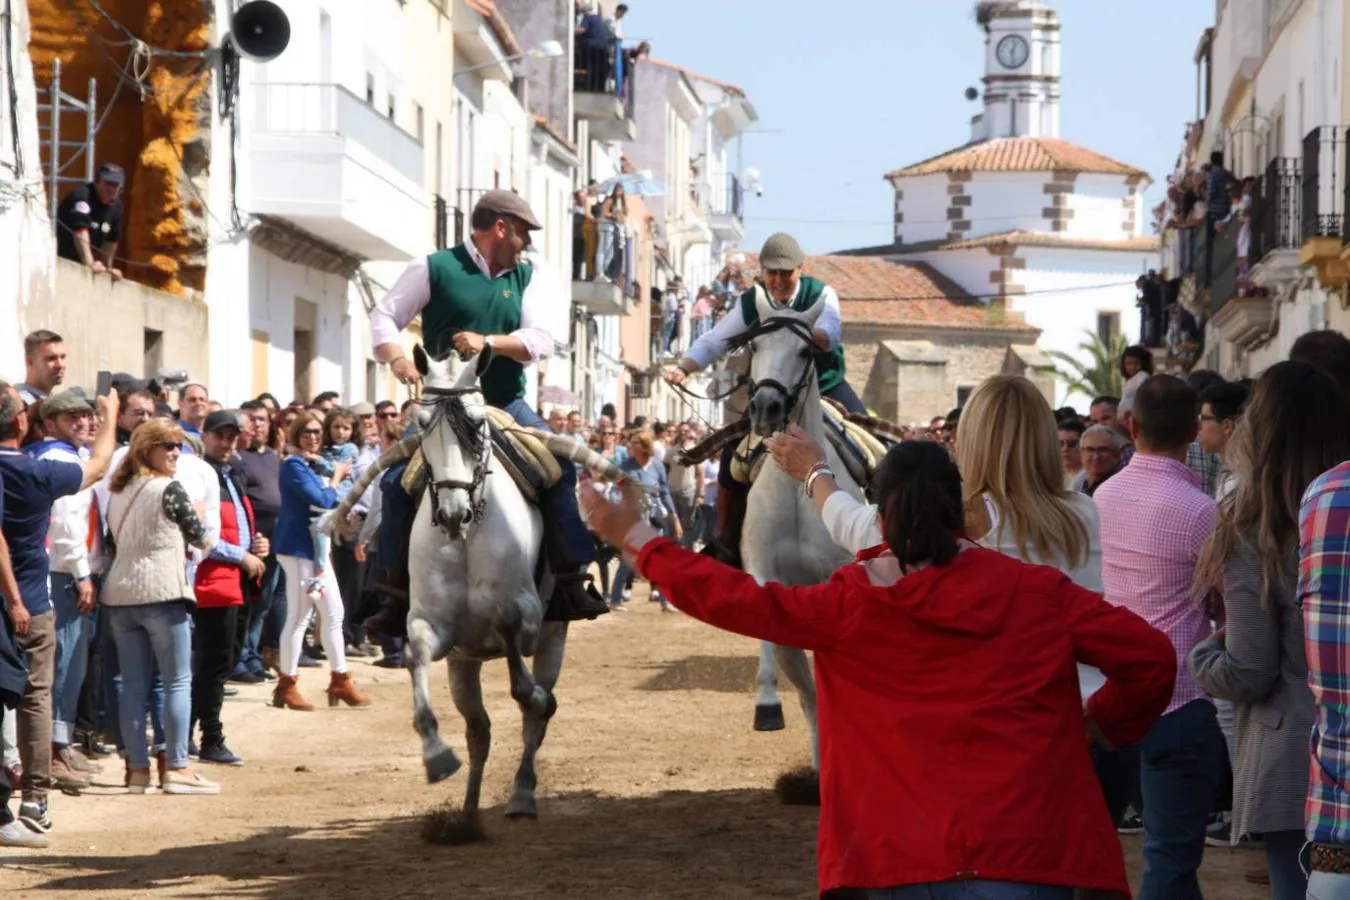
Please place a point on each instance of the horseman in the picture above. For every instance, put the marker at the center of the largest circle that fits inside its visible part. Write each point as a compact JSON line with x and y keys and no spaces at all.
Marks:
{"x":484,"y":295}
{"x":785,"y":286}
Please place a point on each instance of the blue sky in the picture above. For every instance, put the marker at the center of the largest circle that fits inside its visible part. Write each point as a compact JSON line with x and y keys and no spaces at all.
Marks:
{"x":849,"y":90}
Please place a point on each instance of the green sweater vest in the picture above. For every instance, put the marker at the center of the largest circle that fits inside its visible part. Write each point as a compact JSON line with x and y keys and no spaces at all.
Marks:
{"x":464,"y":299}
{"x":829,"y":363}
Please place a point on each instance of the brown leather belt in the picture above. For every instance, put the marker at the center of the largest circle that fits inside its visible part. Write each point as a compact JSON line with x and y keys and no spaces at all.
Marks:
{"x":1333,"y":858}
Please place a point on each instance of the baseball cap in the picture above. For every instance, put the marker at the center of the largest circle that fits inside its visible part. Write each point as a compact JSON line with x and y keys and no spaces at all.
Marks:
{"x":222,"y":418}
{"x":67,"y":401}
{"x":508,"y":203}
{"x":111,"y":173}
{"x":781,"y":253}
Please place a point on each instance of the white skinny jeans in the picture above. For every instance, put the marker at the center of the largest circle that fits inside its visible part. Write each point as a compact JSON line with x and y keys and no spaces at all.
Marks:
{"x":298,"y":571}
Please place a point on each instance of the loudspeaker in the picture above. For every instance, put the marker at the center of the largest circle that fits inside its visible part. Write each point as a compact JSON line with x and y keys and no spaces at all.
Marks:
{"x":259,"y":30}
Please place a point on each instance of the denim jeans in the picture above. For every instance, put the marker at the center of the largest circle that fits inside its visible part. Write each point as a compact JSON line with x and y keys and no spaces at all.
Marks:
{"x":972,"y":890}
{"x":1327,"y":886}
{"x":73,"y":631}
{"x":1118,"y":775}
{"x":1284,"y":862}
{"x":1180,"y":770}
{"x":559,"y":503}
{"x":670,"y":330}
{"x":255,"y":614}
{"x":624,"y":576}
{"x":113,"y":689}
{"x":156,"y":634}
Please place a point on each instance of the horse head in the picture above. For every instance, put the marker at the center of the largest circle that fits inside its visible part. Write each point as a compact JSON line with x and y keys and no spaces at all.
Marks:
{"x":782,"y":364}
{"x":456,"y":444}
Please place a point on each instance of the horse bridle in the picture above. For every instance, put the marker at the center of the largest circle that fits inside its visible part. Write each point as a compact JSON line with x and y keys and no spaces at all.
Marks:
{"x":803,"y":331}
{"x":443,"y":400}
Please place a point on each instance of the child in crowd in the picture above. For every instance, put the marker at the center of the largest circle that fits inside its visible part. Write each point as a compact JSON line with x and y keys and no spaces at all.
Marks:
{"x":337,"y":448}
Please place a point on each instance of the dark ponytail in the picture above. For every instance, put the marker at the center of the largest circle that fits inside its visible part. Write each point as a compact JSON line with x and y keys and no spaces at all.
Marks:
{"x":918,"y":490}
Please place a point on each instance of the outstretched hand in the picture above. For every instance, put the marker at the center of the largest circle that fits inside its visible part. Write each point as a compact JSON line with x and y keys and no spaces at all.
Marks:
{"x":795,"y":451}
{"x":611,"y":520}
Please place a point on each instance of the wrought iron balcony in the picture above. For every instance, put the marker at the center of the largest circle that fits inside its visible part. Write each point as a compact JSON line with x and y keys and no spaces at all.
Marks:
{"x":1324,"y":204}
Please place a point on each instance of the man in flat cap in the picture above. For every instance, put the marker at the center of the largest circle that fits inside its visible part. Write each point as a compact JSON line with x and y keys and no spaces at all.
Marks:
{"x":484,"y":295}
{"x":783,"y":283}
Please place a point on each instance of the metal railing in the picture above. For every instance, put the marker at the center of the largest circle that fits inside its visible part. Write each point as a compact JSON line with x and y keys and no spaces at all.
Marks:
{"x":1223,"y":268}
{"x":309,"y":108}
{"x":728,"y":199}
{"x":1323,"y":182}
{"x":606,"y":70}
{"x":1275,"y":218}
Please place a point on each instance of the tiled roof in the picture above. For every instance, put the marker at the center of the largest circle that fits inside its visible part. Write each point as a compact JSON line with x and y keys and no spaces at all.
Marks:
{"x":543,"y":124}
{"x":497,"y":22}
{"x":689,"y":73}
{"x":873,"y":291}
{"x":1041,"y":239}
{"x":1020,"y":154}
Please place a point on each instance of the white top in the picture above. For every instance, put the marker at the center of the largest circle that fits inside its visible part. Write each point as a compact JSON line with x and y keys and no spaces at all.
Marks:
{"x":854,"y":526}
{"x":710,"y":348}
{"x":710,"y":469}
{"x":68,"y":531}
{"x":543,"y":309}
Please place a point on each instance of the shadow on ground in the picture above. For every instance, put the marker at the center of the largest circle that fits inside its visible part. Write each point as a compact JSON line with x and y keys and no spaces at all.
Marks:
{"x":725,"y":674}
{"x":678,"y":844}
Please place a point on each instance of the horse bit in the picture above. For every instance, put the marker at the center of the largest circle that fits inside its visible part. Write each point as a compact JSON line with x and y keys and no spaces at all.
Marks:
{"x":446,"y":400}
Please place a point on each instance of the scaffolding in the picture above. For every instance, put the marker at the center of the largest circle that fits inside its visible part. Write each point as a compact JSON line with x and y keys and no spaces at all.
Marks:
{"x":54,"y":102}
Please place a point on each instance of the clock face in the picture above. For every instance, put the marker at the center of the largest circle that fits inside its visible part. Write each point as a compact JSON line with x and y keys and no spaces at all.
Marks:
{"x":1012,"y":51}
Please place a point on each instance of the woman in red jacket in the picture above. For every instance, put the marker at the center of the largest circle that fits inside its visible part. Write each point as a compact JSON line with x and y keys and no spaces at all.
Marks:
{"x":953,"y":741}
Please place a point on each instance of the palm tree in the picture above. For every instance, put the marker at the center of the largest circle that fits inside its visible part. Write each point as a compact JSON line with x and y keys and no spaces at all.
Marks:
{"x":1100,"y":375}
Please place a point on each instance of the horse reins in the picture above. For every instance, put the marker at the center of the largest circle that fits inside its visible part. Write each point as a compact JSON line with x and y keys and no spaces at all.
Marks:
{"x":440,"y":400}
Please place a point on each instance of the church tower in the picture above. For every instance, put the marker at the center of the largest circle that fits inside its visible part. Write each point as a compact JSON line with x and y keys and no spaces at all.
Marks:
{"x":1022,"y":71}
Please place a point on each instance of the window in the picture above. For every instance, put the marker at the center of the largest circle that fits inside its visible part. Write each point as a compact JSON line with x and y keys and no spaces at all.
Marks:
{"x":152,"y":346}
{"x":370,"y":88}
{"x":389,"y":108}
{"x":1108,"y":326}
{"x":962,"y":395}
{"x":418,"y":128}
{"x":440,"y":156}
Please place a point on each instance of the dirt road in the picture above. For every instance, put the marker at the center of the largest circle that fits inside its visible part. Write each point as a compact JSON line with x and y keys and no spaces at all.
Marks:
{"x":652,"y":785}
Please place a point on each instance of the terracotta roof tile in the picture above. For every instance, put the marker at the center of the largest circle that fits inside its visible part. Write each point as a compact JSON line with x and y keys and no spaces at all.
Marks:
{"x":543,"y":124}
{"x":689,"y":73}
{"x":1041,"y":239}
{"x":497,"y":22}
{"x":1020,"y":154}
{"x":874,"y":291}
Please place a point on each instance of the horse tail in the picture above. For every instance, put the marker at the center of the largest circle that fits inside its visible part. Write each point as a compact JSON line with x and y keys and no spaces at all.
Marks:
{"x":336,"y":521}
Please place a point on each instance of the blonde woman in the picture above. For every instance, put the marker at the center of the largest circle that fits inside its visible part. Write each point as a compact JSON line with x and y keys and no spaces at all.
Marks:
{"x":147,"y":598}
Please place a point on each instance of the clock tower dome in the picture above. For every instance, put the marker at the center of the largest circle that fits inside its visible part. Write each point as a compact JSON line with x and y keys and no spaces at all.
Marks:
{"x":1022,"y":66}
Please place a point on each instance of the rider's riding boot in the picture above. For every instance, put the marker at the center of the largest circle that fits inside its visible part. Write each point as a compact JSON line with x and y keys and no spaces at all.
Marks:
{"x":392,"y":619}
{"x":575,"y":597}
{"x":725,"y":547}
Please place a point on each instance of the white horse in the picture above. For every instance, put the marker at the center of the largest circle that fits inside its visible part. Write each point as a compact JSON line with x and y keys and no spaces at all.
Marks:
{"x":784,"y":539}
{"x":473,"y":562}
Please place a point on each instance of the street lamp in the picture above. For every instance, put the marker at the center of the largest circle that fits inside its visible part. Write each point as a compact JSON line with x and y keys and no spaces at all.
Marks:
{"x":545,"y":50}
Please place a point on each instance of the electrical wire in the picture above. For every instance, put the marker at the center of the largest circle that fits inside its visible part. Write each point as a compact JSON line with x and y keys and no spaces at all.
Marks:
{"x":135,"y":40}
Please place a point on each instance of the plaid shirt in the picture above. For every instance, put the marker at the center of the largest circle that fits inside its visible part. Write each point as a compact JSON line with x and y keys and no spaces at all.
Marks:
{"x":1209,"y":466}
{"x":1154,"y":520}
{"x":1324,"y":592}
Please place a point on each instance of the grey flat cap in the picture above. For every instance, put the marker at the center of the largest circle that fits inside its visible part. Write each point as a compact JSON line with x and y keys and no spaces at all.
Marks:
{"x":781,"y":253}
{"x":69,"y":401}
{"x":508,"y":203}
{"x":364,"y":408}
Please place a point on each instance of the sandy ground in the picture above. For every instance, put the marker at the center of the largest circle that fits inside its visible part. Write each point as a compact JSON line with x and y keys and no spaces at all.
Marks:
{"x":652,"y":784}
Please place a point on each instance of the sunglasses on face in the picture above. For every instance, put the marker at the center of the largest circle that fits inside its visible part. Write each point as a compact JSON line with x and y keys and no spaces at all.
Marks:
{"x":311,"y":432}
{"x":389,"y":415}
{"x":168,"y":445}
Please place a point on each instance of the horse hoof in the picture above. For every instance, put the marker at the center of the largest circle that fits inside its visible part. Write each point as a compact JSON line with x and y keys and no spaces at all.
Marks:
{"x":442,"y":766}
{"x":521,"y":806}
{"x":769,"y":718}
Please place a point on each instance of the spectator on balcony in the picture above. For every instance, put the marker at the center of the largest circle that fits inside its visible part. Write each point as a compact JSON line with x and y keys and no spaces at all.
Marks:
{"x":670,"y":314}
{"x":616,"y":23}
{"x":1218,"y":198}
{"x":613,"y":216}
{"x":583,"y":236}
{"x":89,"y":222}
{"x":1150,"y":303}
{"x":701,"y":314}
{"x":594,"y":42}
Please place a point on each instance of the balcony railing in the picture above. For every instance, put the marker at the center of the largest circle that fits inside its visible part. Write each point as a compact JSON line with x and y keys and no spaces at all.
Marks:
{"x":1323,"y":182}
{"x":606,"y":70}
{"x":727,"y":199}
{"x":300,"y":108}
{"x":1276,"y":220}
{"x":452,"y":219}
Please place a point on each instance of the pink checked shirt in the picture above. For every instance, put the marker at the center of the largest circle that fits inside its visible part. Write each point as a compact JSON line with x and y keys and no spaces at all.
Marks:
{"x":1154,"y":521}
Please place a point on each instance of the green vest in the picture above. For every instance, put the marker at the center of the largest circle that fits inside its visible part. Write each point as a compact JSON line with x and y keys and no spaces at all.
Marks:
{"x":829,"y":363}
{"x":464,"y":299}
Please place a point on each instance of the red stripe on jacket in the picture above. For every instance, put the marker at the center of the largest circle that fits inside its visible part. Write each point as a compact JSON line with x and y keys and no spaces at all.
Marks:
{"x":222,"y":583}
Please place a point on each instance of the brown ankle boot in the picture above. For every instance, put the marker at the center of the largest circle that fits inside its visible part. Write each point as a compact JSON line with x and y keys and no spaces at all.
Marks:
{"x":287,"y":695}
{"x":341,"y":688}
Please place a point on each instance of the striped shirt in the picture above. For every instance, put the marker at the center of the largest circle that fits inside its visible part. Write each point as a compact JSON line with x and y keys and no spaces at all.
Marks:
{"x":1154,"y":520}
{"x":1324,"y":593}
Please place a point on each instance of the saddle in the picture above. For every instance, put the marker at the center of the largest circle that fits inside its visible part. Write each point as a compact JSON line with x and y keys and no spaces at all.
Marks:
{"x":524,"y":457}
{"x":860,"y":452}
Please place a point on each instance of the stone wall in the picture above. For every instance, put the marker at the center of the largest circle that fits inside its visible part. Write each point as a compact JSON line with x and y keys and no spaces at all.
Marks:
{"x":105,"y":326}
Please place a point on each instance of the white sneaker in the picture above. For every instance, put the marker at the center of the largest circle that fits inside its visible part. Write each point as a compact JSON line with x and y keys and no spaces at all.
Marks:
{"x":185,"y":781}
{"x":627,"y":595}
{"x":16,"y":834}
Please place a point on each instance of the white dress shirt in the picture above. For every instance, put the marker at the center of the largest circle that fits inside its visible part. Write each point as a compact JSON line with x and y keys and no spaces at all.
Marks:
{"x":544,"y":308}
{"x":711,"y":347}
{"x":68,"y":531}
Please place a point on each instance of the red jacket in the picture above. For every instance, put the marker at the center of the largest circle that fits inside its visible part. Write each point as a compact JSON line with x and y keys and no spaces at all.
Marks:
{"x":952,"y":738}
{"x":221,"y":583}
